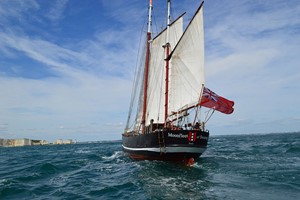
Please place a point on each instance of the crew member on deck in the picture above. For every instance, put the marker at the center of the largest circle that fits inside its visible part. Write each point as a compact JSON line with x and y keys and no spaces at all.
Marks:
{"x":189,"y":126}
{"x":197,"y":126}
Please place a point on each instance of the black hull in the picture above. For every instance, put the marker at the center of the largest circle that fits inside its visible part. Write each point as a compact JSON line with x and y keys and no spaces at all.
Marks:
{"x":167,"y":145}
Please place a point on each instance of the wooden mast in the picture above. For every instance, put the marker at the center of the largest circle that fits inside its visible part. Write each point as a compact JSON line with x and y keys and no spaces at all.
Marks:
{"x":167,"y":51}
{"x":147,"y":67}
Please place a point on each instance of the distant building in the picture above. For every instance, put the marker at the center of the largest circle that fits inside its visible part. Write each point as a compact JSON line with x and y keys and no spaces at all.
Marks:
{"x":69,"y":141}
{"x":6,"y":142}
{"x":39,"y":142}
{"x":21,"y":142}
{"x":35,"y":142}
{"x":29,"y":142}
{"x":44,"y":142}
{"x":9,"y":143}
{"x":15,"y":142}
{"x":59,"y":141}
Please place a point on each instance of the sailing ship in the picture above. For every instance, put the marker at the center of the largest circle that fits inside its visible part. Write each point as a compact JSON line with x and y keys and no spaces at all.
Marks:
{"x":171,"y":93}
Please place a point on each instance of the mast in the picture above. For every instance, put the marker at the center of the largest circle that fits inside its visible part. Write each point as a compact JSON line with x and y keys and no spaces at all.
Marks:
{"x":147,"y":67}
{"x":167,"y":50}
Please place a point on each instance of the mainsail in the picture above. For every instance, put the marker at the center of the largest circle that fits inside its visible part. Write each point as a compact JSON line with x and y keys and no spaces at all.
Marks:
{"x":156,"y":89}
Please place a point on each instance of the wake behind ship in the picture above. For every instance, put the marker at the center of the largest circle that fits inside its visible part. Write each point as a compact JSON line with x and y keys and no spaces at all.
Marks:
{"x":169,"y":93}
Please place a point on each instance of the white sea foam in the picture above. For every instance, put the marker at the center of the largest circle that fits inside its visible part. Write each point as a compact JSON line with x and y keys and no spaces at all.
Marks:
{"x":115,"y":155}
{"x":60,"y":180}
{"x":2,"y":182}
{"x":83,"y":151}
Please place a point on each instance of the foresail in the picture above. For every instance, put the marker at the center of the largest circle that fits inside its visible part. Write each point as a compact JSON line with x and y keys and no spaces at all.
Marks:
{"x":187,"y":66}
{"x":156,"y":89}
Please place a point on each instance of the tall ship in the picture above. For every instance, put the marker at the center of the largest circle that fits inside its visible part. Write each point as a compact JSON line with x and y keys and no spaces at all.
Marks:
{"x":165,"y":120}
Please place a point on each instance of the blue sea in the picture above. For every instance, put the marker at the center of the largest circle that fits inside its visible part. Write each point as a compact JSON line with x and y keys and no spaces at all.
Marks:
{"x":233,"y":167}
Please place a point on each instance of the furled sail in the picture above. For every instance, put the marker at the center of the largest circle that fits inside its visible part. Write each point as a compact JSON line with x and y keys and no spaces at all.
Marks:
{"x":187,"y":66}
{"x":156,"y":89}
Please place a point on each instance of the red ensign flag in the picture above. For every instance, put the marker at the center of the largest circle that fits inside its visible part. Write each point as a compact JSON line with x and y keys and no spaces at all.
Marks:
{"x":212,"y":100}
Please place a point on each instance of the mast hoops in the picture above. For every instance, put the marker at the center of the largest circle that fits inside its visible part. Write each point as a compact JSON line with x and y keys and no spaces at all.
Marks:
{"x":167,"y":50}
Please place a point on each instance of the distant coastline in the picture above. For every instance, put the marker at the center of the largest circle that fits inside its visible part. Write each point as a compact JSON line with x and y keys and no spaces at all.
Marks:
{"x":31,"y":142}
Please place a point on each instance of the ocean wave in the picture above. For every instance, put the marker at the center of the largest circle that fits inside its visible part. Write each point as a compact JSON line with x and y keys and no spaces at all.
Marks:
{"x":295,"y":150}
{"x":82,"y":151}
{"x":115,"y":155}
{"x":235,"y":167}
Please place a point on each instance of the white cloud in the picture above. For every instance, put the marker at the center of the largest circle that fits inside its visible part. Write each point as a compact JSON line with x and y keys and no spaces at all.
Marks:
{"x":52,"y":103}
{"x":251,"y":58}
{"x":15,"y":8}
{"x":56,"y":11}
{"x":92,"y":88}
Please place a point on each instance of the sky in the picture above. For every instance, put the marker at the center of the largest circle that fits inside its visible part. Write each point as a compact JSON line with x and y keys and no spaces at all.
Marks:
{"x":67,"y":66}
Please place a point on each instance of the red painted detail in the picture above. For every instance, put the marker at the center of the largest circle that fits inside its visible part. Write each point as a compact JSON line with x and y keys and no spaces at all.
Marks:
{"x":177,"y":159}
{"x":190,"y":162}
{"x":192,"y":136}
{"x":146,"y":82}
{"x":167,"y":84}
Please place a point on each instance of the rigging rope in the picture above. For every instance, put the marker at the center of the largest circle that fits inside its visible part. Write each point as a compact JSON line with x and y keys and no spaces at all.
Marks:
{"x":135,"y":82}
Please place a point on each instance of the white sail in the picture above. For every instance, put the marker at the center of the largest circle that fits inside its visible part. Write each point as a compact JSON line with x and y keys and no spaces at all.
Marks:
{"x":187,"y":66}
{"x":156,"y":84}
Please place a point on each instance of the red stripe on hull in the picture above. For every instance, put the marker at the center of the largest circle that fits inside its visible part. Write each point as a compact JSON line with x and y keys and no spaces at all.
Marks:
{"x":177,"y":159}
